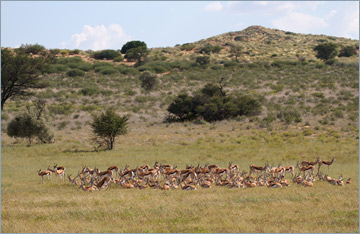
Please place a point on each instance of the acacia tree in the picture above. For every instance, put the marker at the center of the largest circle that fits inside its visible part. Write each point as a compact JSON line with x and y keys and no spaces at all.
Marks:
{"x":148,"y":80}
{"x":236,"y":51}
{"x":137,"y":54}
{"x":108,"y":125}
{"x":19,"y":73}
{"x":326,"y":51}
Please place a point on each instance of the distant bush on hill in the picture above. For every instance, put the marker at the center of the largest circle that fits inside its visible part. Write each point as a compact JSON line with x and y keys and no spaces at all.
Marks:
{"x":210,"y":49}
{"x":326,"y":51}
{"x":148,"y":80}
{"x":187,"y":46}
{"x":347,"y":51}
{"x":131,"y":45}
{"x":75,"y":72}
{"x":34,"y":49}
{"x":106,"y":54}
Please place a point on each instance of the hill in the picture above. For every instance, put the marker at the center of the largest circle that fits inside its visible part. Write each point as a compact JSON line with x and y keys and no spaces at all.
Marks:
{"x":278,"y":68}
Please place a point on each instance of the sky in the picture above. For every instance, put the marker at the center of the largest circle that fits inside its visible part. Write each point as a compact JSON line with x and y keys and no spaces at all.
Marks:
{"x":101,"y":25}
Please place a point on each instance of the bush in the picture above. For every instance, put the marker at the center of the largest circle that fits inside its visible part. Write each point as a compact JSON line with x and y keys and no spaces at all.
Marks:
{"x":127,"y":70}
{"x":157,"y":67}
{"x":132,"y":44}
{"x":289,"y":115}
{"x":64,"y":52}
{"x":75,"y":72}
{"x":54,"y":51}
{"x":85,"y":67}
{"x":90,"y":91}
{"x":238,"y":38}
{"x":76,"y":59}
{"x":75,"y":51}
{"x":106,"y":54}
{"x":187,"y":46}
{"x":102,"y":64}
{"x":148,"y":80}
{"x":34,"y":49}
{"x":347,"y":51}
{"x":108,"y":125}
{"x":326,"y":51}
{"x":108,"y":70}
{"x":203,"y":60}
{"x":118,"y":58}
{"x":31,"y":124}
{"x":210,"y":49}
{"x":211,"y":104}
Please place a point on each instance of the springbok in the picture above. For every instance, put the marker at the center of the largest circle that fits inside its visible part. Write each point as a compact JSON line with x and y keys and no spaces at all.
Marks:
{"x":255,"y":169}
{"x":328,"y":163}
{"x":44,"y":173}
{"x":59,"y":171}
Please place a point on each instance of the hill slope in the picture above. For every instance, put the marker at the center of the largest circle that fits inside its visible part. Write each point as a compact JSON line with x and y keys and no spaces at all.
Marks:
{"x":278,"y":67}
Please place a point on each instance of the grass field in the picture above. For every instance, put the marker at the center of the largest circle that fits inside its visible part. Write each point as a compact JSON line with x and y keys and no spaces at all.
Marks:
{"x":29,"y":206}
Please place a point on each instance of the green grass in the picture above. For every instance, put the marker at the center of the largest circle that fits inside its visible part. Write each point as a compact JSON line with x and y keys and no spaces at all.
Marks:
{"x":29,"y":206}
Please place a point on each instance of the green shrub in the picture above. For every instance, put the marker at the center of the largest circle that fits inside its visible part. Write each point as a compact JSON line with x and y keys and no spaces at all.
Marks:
{"x":308,"y":132}
{"x":347,"y":51}
{"x":203,"y":60}
{"x":76,"y":59}
{"x":148,"y":80}
{"x":75,"y":51}
{"x":130,"y":92}
{"x":119,"y":58}
{"x":64,"y":52}
{"x":108,"y":71}
{"x":131,"y":45}
{"x":239,"y":38}
{"x":212,"y":104}
{"x":60,"y":67}
{"x":75,"y":72}
{"x":106,"y":54}
{"x":157,"y":67}
{"x":34,"y":49}
{"x":108,"y":125}
{"x":61,"y":109}
{"x":127,"y":70}
{"x":289,"y":115}
{"x":85,"y":67}
{"x":90,"y":91}
{"x":326,"y":51}
{"x":54,"y":51}
{"x":187,"y":46}
{"x":31,"y":124}
{"x":210,"y":49}
{"x":62,"y":125}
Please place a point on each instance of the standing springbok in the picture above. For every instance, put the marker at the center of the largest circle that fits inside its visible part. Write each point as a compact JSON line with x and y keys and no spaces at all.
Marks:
{"x":328,"y":163}
{"x":44,"y":173}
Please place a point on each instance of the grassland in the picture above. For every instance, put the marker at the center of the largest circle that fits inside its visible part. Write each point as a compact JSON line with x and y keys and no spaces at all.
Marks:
{"x":29,"y":206}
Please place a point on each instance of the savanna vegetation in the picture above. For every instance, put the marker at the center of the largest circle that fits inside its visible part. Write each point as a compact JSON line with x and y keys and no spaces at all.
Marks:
{"x":256,"y":96}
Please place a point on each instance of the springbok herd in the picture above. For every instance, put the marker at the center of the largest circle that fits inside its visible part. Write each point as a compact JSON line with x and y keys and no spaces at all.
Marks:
{"x":166,"y":177}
